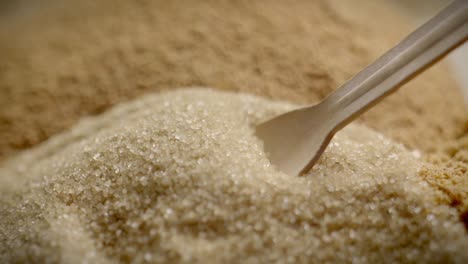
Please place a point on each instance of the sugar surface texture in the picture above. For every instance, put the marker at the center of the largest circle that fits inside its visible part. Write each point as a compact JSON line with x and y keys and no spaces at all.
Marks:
{"x":63,"y":60}
{"x":180,"y":177}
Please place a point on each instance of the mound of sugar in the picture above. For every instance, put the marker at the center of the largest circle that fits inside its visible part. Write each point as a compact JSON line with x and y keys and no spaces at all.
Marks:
{"x":180,"y":177}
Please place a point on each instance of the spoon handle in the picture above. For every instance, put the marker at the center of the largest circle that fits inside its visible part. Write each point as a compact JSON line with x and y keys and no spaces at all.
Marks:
{"x":415,"y":53}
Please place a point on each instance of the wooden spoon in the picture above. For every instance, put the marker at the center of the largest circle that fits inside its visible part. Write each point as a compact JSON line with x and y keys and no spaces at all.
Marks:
{"x":295,"y":140}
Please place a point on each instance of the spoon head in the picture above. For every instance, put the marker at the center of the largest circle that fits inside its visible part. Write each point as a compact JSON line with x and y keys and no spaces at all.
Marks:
{"x":295,"y":140}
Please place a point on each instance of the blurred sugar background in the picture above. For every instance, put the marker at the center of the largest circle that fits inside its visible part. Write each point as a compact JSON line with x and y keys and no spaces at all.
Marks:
{"x":421,"y":10}
{"x":417,"y":10}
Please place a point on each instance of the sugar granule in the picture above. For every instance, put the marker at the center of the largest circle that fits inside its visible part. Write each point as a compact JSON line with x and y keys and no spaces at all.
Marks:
{"x":180,"y":177}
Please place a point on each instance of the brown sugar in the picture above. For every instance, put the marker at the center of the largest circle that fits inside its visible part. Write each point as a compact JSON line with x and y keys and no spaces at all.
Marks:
{"x":64,"y":61}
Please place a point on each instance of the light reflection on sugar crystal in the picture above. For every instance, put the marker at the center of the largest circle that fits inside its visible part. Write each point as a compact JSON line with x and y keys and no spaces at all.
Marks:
{"x":180,"y":176}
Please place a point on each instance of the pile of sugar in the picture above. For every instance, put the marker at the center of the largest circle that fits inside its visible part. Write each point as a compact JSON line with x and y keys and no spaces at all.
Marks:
{"x":89,"y":55}
{"x":180,"y":177}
